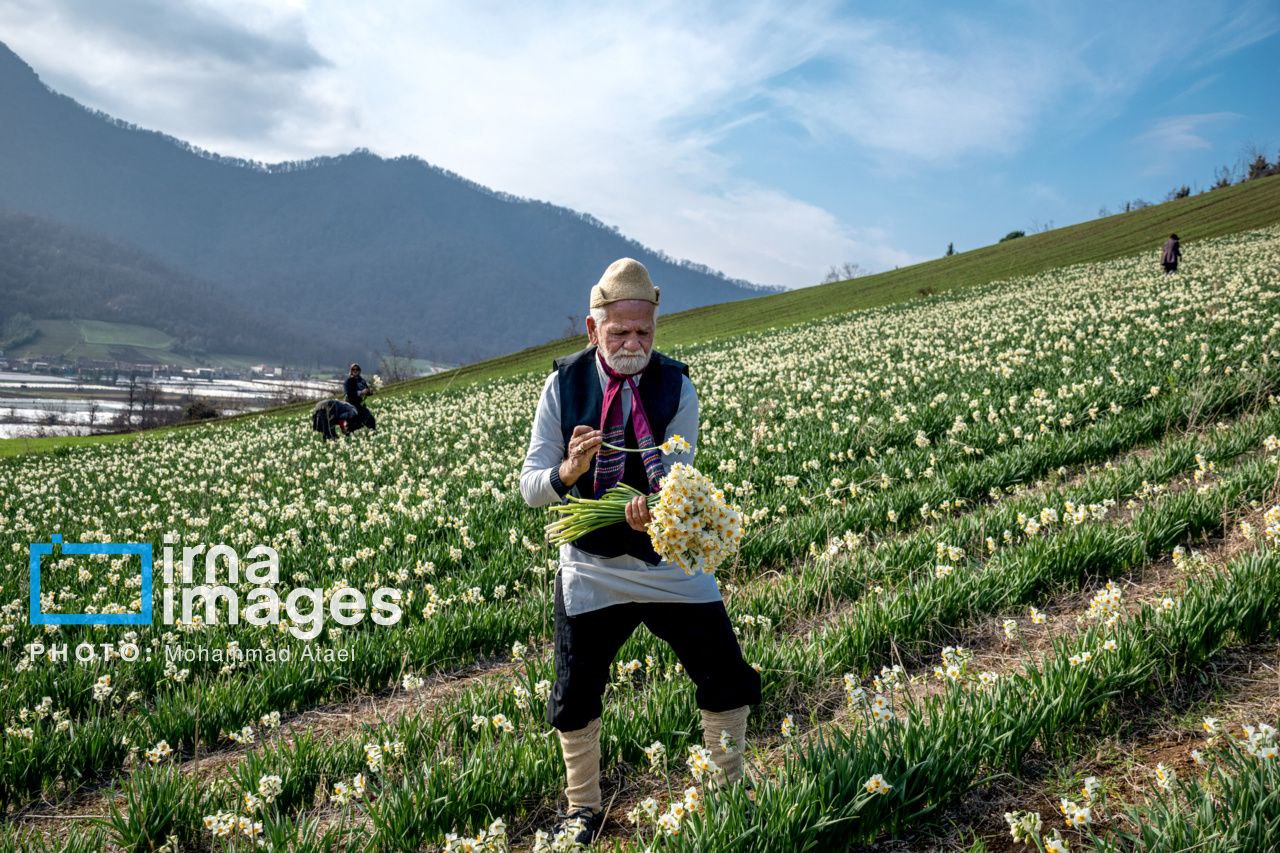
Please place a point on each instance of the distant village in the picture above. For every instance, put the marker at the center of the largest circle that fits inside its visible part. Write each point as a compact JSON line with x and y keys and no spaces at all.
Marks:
{"x":110,"y":372}
{"x":43,"y":396}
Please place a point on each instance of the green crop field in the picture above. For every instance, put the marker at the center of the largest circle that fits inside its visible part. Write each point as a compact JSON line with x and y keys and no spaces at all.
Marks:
{"x":55,"y":338}
{"x":122,"y":334}
{"x":97,"y":339}
{"x":1009,"y":569}
{"x":111,"y":341}
{"x":94,"y":340}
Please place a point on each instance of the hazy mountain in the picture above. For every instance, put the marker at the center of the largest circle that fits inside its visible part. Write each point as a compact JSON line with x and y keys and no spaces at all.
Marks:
{"x":55,"y":271}
{"x":351,"y":249}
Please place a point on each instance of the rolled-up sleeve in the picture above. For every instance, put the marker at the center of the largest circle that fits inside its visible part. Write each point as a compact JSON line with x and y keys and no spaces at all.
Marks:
{"x":546,"y":449}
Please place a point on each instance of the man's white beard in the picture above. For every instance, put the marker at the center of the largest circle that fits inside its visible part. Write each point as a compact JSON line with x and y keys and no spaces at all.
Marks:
{"x":626,"y":363}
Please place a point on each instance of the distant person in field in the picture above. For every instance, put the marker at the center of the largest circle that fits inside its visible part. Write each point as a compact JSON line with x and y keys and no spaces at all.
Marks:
{"x":1171,"y":254}
{"x":611,"y":580}
{"x":356,"y":389}
{"x":333,"y":417}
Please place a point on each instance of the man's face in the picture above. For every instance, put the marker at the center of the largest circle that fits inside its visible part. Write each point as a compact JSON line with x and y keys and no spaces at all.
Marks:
{"x":626,"y":336}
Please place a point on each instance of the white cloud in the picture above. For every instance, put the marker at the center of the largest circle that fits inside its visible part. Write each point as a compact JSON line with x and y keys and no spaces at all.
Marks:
{"x":911,"y":102}
{"x":615,"y":111}
{"x":622,"y":111}
{"x":1168,"y":138}
{"x":232,"y":84}
{"x":612,"y":110}
{"x":1182,"y":133}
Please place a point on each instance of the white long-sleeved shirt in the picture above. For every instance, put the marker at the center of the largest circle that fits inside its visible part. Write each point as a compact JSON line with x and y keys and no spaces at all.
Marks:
{"x":589,"y":582}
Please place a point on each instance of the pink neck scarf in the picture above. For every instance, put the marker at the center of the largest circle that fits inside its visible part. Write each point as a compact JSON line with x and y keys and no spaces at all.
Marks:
{"x":610,"y":463}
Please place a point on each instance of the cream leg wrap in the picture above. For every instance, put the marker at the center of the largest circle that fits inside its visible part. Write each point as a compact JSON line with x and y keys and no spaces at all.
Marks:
{"x":581,"y":749}
{"x":735,"y":723}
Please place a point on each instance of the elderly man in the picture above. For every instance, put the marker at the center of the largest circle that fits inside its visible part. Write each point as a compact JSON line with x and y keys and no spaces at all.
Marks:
{"x":621,"y":391}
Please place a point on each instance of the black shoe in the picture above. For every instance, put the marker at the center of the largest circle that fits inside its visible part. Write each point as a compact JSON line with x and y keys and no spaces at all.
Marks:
{"x":590,"y":821}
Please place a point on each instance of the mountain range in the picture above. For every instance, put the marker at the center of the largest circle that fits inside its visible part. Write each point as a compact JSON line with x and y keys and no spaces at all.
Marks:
{"x":342,"y":254}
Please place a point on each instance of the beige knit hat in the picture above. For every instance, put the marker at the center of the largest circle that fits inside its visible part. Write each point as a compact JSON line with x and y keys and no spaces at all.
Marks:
{"x":626,"y":278}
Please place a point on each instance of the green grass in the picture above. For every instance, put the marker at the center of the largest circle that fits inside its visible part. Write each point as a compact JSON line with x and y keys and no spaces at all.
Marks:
{"x":111,"y":341}
{"x":20,"y":446}
{"x":54,"y":338}
{"x":100,"y":339}
{"x":123,"y":334}
{"x":1254,"y":204}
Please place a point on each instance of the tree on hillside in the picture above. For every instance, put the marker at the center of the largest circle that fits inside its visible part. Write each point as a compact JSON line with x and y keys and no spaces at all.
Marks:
{"x":17,"y":329}
{"x":1013,"y":235}
{"x":125,"y":418}
{"x":1177,"y":193}
{"x":149,"y":405}
{"x":844,"y":272}
{"x":573,"y":325}
{"x":1259,"y":167}
{"x":52,"y":271}
{"x":951,"y":249}
{"x":398,"y":364}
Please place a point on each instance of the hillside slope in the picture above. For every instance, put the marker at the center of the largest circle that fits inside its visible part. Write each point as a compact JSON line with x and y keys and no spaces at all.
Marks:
{"x":1253,"y":204}
{"x":54,"y":272}
{"x":1238,"y":208}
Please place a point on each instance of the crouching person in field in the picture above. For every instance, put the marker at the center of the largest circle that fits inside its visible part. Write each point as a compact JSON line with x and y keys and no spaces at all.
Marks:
{"x":331,"y":417}
{"x":610,"y":581}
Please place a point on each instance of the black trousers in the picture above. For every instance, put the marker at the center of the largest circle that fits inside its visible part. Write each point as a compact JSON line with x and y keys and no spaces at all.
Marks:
{"x":366,"y":419}
{"x":700,"y":634}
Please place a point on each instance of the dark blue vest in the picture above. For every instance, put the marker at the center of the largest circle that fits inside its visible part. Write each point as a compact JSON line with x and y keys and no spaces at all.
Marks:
{"x":580,"y":402}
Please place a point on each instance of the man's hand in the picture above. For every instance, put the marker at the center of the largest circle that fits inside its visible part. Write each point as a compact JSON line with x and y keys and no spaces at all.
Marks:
{"x":583,"y":445}
{"x":638,"y":513}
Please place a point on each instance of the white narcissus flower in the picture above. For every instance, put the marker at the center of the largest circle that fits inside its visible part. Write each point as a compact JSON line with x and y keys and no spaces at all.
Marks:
{"x":700,"y":763}
{"x":1056,"y":843}
{"x":1024,"y":826}
{"x":877,"y":785}
{"x":675,"y":444}
{"x":656,"y":752}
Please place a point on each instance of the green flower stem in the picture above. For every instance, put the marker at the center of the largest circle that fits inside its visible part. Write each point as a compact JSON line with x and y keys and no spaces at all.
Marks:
{"x":609,"y":446}
{"x":583,"y":515}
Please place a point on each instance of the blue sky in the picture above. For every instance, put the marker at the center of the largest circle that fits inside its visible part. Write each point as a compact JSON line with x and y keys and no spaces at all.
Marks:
{"x":767,"y":139}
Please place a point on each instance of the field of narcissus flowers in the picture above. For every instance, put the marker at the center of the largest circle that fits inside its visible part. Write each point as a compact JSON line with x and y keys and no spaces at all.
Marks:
{"x":1000,"y":545}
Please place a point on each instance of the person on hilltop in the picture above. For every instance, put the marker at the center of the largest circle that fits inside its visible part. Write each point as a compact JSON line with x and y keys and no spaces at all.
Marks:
{"x":621,"y":391}
{"x":355,"y":389}
{"x":1171,"y":254}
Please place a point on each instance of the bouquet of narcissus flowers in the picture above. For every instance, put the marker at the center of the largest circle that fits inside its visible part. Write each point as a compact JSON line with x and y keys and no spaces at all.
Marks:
{"x":693,"y":526}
